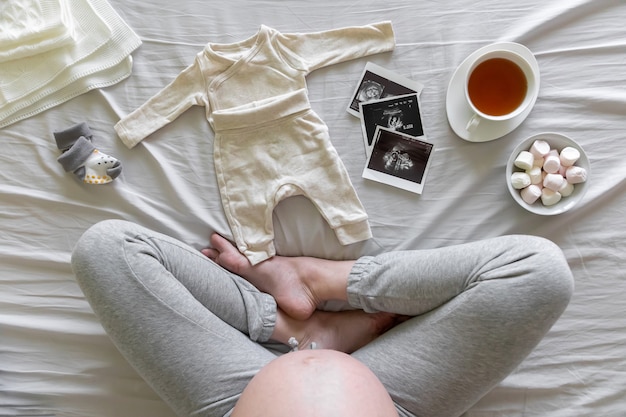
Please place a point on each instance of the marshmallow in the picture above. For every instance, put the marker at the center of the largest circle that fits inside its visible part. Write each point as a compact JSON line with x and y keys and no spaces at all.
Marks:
{"x":576,"y":174}
{"x":540,"y":148}
{"x":553,"y":181}
{"x":535,"y":174}
{"x":551,"y":162}
{"x":566,"y":189}
{"x":520,"y":180}
{"x":549,"y":197}
{"x":552,"y":174}
{"x":524,"y":160}
{"x":569,"y":156}
{"x":531,"y":193}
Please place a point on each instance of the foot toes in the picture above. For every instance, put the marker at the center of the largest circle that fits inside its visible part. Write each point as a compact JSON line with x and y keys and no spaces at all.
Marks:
{"x":210,"y":253}
{"x":220,"y":243}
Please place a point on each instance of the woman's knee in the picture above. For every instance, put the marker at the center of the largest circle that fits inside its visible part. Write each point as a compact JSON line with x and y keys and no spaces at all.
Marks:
{"x":101,"y":236}
{"x":551,"y":275}
{"x":98,"y":244}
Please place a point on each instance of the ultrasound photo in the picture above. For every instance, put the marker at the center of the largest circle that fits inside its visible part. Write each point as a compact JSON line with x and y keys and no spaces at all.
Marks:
{"x":399,"y":160}
{"x":401,"y":113}
{"x":377,"y":83}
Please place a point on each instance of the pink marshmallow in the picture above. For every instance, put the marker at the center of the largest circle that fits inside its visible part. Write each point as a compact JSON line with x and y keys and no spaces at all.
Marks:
{"x":540,"y":148}
{"x":551,"y":162}
{"x":531,"y":193}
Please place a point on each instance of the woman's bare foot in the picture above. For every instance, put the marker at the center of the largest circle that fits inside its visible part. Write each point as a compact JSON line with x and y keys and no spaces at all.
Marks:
{"x":298,"y":284}
{"x":345,"y":331}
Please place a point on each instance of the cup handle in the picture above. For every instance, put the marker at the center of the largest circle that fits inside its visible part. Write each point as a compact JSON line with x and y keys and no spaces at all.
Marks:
{"x":473,"y":123}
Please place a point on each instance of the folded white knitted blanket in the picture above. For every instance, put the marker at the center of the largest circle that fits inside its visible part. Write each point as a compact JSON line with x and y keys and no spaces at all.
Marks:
{"x":100,"y":51}
{"x":30,"y":27}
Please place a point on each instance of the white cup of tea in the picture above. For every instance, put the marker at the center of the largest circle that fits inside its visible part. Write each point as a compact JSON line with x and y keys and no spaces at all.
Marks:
{"x":499,"y":86}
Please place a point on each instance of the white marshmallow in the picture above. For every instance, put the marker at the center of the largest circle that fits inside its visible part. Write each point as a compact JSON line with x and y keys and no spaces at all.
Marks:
{"x":520,"y":180}
{"x":549,"y":197}
{"x":538,"y":162}
{"x":576,"y":174}
{"x":553,"y":181}
{"x":569,"y":156}
{"x":535,"y":174}
{"x":524,"y":160}
{"x":566,"y":189}
{"x":531,"y":193}
{"x":551,"y":162}
{"x":540,"y":148}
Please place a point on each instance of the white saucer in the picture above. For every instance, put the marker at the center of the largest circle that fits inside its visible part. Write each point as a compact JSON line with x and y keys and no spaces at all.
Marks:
{"x":459,"y":112}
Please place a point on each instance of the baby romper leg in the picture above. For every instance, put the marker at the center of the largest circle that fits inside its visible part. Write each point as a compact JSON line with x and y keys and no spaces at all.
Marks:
{"x":186,"y":325}
{"x":273,"y":149}
{"x":479,"y":309}
{"x":321,"y":176}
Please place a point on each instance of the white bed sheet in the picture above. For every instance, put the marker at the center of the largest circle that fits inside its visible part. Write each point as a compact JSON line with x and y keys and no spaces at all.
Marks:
{"x":55,"y":359}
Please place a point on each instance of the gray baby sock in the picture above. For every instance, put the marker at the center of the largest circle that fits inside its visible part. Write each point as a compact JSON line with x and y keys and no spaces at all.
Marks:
{"x":82,"y":158}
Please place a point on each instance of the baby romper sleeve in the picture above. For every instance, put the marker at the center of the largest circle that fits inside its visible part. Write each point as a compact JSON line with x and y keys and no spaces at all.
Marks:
{"x":186,"y":90}
{"x":310,"y":51}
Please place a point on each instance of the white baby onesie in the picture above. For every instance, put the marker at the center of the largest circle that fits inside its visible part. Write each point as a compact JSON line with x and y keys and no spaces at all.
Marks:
{"x":269,"y":144}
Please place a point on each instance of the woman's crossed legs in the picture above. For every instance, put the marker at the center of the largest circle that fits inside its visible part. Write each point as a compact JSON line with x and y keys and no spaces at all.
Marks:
{"x":439,"y":328}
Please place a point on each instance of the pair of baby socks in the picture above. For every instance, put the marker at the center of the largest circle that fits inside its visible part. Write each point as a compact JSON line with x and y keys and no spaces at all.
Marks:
{"x":81,"y":157}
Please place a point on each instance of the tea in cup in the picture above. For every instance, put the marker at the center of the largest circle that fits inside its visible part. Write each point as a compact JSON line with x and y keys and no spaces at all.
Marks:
{"x":499,"y":86}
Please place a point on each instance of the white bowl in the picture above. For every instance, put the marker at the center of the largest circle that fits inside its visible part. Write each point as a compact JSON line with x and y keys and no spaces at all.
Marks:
{"x":558,"y":142}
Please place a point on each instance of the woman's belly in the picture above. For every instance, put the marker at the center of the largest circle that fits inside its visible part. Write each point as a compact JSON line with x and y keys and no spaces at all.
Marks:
{"x":315,"y":383}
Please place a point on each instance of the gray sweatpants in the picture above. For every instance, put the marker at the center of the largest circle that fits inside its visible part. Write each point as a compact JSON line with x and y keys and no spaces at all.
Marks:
{"x":197,"y":333}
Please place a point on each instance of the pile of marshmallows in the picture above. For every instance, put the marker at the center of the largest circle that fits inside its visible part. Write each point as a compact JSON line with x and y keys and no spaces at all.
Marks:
{"x":547,"y":174}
